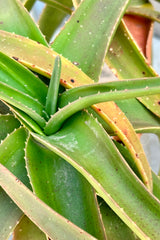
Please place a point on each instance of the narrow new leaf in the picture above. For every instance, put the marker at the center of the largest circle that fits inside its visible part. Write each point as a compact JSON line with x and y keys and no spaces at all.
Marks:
{"x":53,"y":90}
{"x":59,"y":117}
{"x":96,"y":88}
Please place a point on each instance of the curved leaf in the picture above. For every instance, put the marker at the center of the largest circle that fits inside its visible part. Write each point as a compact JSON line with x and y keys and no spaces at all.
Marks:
{"x":107,"y":171}
{"x":56,"y":121}
{"x":58,"y":118}
{"x":57,"y":227}
{"x":96,"y":88}
{"x":72,"y":76}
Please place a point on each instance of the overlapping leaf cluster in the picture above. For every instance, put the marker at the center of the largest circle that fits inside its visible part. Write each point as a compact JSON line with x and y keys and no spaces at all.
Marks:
{"x":62,"y":173}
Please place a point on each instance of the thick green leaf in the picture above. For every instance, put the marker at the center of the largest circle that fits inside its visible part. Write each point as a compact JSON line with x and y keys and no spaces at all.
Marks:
{"x":12,"y":156}
{"x":51,"y":19}
{"x":96,"y":22}
{"x":27,"y":230}
{"x":107,"y":171}
{"x":49,"y":221}
{"x":21,"y":79}
{"x":16,"y":19}
{"x":63,"y":188}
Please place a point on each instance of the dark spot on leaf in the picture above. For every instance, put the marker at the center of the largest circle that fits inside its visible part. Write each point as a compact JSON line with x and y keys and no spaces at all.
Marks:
{"x":15,"y":58}
{"x":137,"y":155}
{"x":143,"y":73}
{"x":38,"y":42}
{"x":72,"y":80}
{"x":33,"y":65}
{"x":63,"y":81}
{"x":48,"y":73}
{"x":77,"y":21}
{"x":158,"y":102}
{"x":125,"y":132}
{"x":1,"y":22}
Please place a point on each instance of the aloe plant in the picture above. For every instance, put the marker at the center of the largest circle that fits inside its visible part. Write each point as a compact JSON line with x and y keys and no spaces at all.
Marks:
{"x":71,"y":162}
